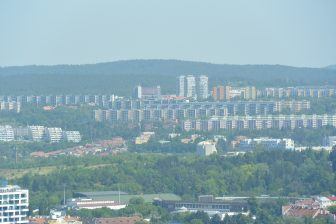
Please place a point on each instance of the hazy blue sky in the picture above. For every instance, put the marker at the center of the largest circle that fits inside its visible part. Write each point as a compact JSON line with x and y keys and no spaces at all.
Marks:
{"x":290,"y":32}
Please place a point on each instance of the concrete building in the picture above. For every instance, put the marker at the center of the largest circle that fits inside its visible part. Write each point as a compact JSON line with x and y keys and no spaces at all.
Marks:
{"x":266,"y":143}
{"x":298,"y":91}
{"x":190,"y":87}
{"x":181,"y":85}
{"x":329,"y":141}
{"x":14,"y":203}
{"x":10,"y":106}
{"x":165,"y":110}
{"x":202,"y":87}
{"x":153,"y":93}
{"x":221,"y":93}
{"x":6,"y":133}
{"x":72,"y":136}
{"x":206,"y":148}
{"x":208,"y":204}
{"x":36,"y":133}
{"x":187,"y":86}
{"x":53,"y":134}
{"x":259,"y":122}
{"x":88,"y":203}
{"x":137,"y":92}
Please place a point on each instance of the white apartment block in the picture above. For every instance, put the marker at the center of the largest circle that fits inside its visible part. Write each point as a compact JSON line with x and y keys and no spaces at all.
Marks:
{"x":36,"y":133}
{"x":10,"y":106}
{"x":258,"y":122}
{"x":53,"y":134}
{"x":202,"y":87}
{"x":72,"y":136}
{"x":191,"y":87}
{"x":6,"y":133}
{"x":181,"y":84}
{"x":267,"y":143}
{"x":14,"y":203}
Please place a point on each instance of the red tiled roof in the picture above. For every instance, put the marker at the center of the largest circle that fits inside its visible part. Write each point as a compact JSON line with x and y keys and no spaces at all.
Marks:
{"x":117,"y":220}
{"x":333,"y":198}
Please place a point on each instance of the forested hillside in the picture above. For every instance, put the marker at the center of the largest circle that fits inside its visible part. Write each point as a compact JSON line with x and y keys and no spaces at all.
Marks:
{"x":121,"y":76}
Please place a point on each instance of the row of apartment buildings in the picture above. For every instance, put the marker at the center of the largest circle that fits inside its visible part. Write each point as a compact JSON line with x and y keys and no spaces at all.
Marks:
{"x":226,"y":93}
{"x":269,"y":106}
{"x":259,"y":122}
{"x":38,"y":133}
{"x":248,"y":144}
{"x":10,"y":106}
{"x":288,"y":92}
{"x":59,"y":100}
{"x":196,"y":110}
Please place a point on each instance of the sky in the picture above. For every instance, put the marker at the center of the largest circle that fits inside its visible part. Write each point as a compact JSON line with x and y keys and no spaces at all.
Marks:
{"x":289,"y":32}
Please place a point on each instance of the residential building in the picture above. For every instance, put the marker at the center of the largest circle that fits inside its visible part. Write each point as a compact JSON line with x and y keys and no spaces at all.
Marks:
{"x":137,"y":93}
{"x":191,"y":87}
{"x":135,"y":111}
{"x":141,"y":92}
{"x":72,"y":136}
{"x":53,"y":134}
{"x":14,"y":203}
{"x":181,"y":85}
{"x":11,"y":106}
{"x":216,"y":123}
{"x":309,"y":208}
{"x":202,"y":87}
{"x":114,"y":220}
{"x":221,"y":93}
{"x":6,"y":133}
{"x":36,"y":133}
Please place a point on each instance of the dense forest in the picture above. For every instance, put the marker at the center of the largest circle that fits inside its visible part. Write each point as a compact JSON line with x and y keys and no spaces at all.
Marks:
{"x":121,"y":76}
{"x":277,"y":173}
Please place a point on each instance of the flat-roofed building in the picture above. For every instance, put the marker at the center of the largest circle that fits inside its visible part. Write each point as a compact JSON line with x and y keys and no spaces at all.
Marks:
{"x":6,"y":133}
{"x":72,"y":136}
{"x":53,"y":134}
{"x":14,"y":203}
{"x":36,"y":133}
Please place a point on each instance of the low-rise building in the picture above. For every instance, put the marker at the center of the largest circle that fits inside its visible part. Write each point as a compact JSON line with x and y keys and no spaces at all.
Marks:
{"x":206,"y":148}
{"x":88,"y":203}
{"x":208,"y":204}
{"x":144,"y":137}
{"x":267,"y":143}
{"x":310,"y":208}
{"x":115,"y":220}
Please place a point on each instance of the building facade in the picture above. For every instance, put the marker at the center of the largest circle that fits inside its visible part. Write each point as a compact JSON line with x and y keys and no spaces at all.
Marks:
{"x":14,"y":203}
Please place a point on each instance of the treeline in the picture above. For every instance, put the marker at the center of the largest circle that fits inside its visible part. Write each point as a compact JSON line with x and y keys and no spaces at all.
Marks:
{"x":280,"y":173}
